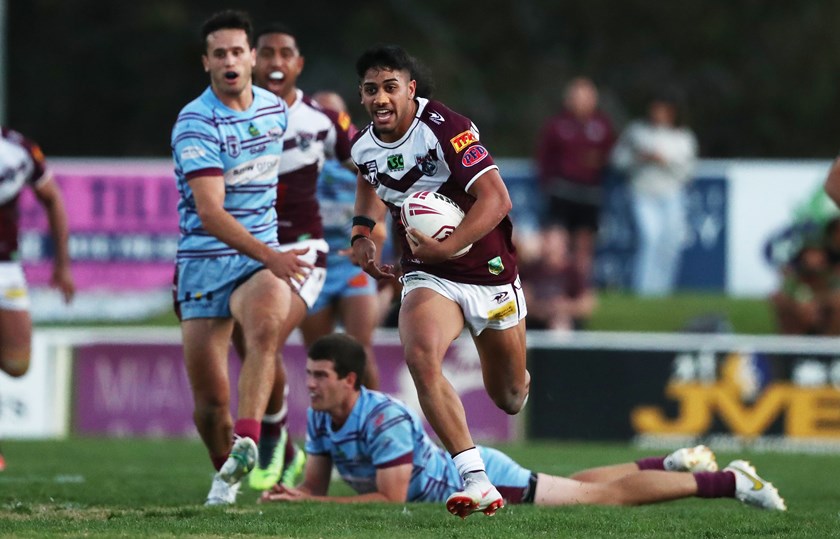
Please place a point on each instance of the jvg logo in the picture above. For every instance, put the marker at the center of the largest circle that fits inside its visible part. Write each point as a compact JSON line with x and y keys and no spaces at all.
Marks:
{"x":735,"y":398}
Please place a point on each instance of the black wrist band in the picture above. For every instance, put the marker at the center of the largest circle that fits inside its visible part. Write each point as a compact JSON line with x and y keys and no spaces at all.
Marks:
{"x":356,"y":237}
{"x":361,"y":220}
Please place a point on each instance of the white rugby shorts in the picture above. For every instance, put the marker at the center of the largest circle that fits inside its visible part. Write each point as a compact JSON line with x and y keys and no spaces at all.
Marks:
{"x":312,"y":285}
{"x":14,"y":295}
{"x":484,"y":307}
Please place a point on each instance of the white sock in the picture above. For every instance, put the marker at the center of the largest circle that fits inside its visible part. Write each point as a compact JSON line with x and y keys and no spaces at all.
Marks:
{"x":468,"y":461}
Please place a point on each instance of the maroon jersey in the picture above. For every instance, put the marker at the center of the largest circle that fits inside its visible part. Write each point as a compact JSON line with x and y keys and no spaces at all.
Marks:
{"x":440,"y":152}
{"x":314,"y":134}
{"x":21,"y":164}
{"x":574,"y":150}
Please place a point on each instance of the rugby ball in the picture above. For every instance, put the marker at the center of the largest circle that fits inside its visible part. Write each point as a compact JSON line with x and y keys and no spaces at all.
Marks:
{"x":434,"y":215}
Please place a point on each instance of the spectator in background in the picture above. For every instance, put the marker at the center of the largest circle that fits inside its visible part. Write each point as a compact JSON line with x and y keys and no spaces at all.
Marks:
{"x":658,"y":155}
{"x":558,"y":294}
{"x":23,"y":165}
{"x":832,"y":182}
{"x":572,"y":153}
{"x":831,"y":242}
{"x":808,"y":302}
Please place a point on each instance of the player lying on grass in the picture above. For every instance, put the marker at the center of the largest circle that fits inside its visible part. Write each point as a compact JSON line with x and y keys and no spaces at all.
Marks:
{"x":381,"y":450}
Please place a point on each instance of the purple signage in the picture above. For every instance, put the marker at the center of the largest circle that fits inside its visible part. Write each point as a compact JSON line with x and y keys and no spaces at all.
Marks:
{"x":123,"y":223}
{"x":142,"y":389}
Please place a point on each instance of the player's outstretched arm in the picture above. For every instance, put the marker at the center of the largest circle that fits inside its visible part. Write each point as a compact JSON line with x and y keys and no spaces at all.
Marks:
{"x":49,"y":195}
{"x":391,"y":486}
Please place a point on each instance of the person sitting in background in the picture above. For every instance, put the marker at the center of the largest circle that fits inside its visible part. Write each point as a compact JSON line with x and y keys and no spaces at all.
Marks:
{"x":658,"y":155}
{"x":831,"y":242}
{"x":380,"y":448}
{"x":558,"y":294}
{"x":572,"y":153}
{"x":808,"y":302}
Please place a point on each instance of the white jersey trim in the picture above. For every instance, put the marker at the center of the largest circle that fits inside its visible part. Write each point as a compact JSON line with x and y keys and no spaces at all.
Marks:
{"x":481,"y":172}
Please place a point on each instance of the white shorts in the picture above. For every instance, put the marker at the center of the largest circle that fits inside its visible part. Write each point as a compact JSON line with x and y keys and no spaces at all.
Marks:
{"x":311,"y":287}
{"x":14,"y":295}
{"x":484,"y":307}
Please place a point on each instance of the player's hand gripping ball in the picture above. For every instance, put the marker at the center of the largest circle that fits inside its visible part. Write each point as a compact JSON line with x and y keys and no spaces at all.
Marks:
{"x":433,"y":214}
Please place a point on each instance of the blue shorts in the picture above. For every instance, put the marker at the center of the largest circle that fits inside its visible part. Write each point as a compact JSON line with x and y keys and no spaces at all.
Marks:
{"x":203,"y":285}
{"x":515,"y":483}
{"x":343,"y":281}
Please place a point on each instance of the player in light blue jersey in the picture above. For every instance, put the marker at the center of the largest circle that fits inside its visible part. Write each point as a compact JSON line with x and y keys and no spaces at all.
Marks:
{"x":379,"y":447}
{"x":226,"y":146}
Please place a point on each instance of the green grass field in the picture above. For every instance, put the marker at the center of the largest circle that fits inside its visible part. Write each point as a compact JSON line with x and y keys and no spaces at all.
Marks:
{"x":150,"y":488}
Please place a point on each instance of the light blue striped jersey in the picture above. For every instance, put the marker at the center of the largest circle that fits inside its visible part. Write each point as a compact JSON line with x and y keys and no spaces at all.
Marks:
{"x":380,"y":432}
{"x":210,"y":139}
{"x":337,"y":198}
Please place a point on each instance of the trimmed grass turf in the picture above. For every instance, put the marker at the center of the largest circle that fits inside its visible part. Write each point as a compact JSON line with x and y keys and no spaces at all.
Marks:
{"x":133,"y":488}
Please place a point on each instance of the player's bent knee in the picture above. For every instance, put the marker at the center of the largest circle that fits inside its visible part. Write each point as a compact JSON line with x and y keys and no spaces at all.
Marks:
{"x":511,"y":401}
{"x":16,"y":367}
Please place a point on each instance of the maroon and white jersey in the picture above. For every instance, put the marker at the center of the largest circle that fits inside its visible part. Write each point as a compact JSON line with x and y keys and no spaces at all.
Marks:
{"x":440,"y":152}
{"x":314,"y":134}
{"x":21,"y":163}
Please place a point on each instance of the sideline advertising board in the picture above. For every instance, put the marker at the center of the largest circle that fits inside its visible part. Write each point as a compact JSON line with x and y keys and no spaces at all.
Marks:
{"x":122,"y":388}
{"x":766,"y":390}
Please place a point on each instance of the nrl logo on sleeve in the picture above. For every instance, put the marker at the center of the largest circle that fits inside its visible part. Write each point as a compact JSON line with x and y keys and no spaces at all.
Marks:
{"x":462,"y":140}
{"x":371,"y":174}
{"x":435,"y":117}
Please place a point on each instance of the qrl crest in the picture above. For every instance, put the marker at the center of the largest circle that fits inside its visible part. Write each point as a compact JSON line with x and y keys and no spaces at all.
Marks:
{"x":371,"y":175}
{"x":232,"y":146}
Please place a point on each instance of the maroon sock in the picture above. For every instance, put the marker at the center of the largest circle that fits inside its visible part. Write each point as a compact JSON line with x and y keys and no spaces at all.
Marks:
{"x":271,"y":429}
{"x":218,"y":461}
{"x":651,"y":463}
{"x":291,"y":450}
{"x":247,"y":427}
{"x":715,"y":484}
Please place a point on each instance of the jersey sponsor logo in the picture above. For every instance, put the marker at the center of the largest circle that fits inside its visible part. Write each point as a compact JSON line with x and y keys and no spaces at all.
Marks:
{"x":427,"y":164}
{"x":372,"y":173}
{"x":37,"y":154}
{"x":474,"y":155}
{"x":253,"y":131}
{"x":396,"y":163}
{"x":192,"y":152}
{"x":495,"y":265}
{"x":198,"y":296}
{"x":15,"y":293}
{"x":261,"y":168}
{"x":434,"y":116}
{"x":462,"y":140}
{"x":344,"y":121}
{"x":504,"y":311}
{"x":232,"y":146}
